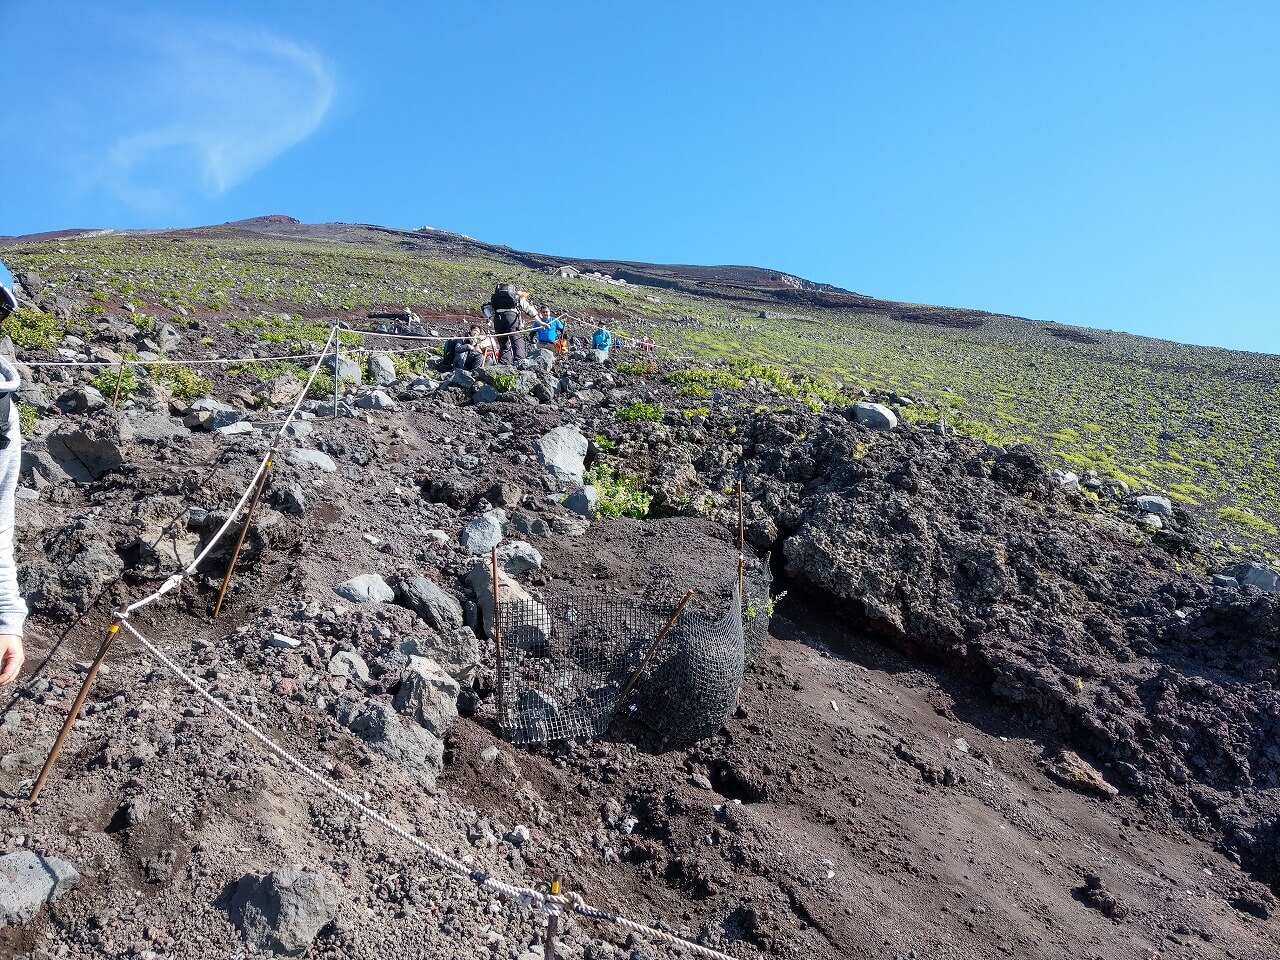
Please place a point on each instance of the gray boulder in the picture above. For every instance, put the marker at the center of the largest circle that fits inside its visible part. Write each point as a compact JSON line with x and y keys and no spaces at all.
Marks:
{"x":429,"y":601}
{"x":1066,"y":481}
{"x":460,"y":378}
{"x":376,"y":400}
{"x":283,"y":911}
{"x":366,"y":588}
{"x":346,"y":663}
{"x":1160,"y":506}
{"x":84,"y":399}
{"x":87,"y":453}
{"x":480,"y":579}
{"x":518,"y":557}
{"x":348,"y":369}
{"x":876,"y":416}
{"x":486,"y":393}
{"x":562,"y":453}
{"x":313,"y":458}
{"x":28,"y":880}
{"x":1255,"y":575}
{"x":456,"y":650}
{"x":429,"y":695}
{"x":583,"y":501}
{"x":154,"y":428}
{"x":483,"y":533}
{"x":382,"y":370}
{"x":279,"y":390}
{"x":414,"y":748}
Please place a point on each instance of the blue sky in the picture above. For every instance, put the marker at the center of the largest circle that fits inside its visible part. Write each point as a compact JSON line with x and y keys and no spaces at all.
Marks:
{"x":1103,"y":164}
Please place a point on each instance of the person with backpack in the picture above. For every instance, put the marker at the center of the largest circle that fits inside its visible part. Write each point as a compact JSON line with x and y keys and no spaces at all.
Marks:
{"x":13,"y":611}
{"x":471,"y":353}
{"x":601,"y":341}
{"x":505,"y":308}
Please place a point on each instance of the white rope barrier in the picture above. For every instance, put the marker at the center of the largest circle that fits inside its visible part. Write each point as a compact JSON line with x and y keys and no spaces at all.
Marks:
{"x":524,"y":896}
{"x":177,"y":578}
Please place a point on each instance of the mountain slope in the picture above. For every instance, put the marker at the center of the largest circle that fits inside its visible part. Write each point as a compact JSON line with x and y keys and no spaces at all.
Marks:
{"x":1196,"y":424}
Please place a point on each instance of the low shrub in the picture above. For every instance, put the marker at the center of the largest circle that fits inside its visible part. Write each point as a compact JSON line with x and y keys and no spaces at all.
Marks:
{"x":27,"y":417}
{"x":183,"y":382}
{"x":1247,"y":521}
{"x":619,"y":494}
{"x":504,"y":382}
{"x":32,"y":329}
{"x":641,"y":411}
{"x":105,"y":382}
{"x":638,"y":368}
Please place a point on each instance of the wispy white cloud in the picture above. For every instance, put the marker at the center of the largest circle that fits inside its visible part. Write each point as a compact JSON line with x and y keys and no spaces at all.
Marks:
{"x":197,"y":109}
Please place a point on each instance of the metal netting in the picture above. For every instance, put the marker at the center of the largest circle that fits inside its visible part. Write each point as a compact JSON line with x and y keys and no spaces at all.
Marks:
{"x":568,"y":659}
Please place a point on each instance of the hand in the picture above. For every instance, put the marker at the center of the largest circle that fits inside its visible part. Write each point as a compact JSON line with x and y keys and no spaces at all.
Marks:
{"x":10,"y":658}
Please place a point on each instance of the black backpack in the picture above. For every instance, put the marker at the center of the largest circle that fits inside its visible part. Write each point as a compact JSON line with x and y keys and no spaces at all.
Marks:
{"x":505,"y":297}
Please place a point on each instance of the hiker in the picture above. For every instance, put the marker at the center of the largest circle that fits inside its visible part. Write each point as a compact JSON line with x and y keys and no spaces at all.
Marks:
{"x":646,"y":343}
{"x":601,"y":341}
{"x":548,"y":329}
{"x":13,"y":611}
{"x":474,"y":351}
{"x":504,"y":309}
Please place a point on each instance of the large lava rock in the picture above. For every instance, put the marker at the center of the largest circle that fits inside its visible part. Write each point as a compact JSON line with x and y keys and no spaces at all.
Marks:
{"x":282,"y":912}
{"x":28,"y":881}
{"x":562,"y":453}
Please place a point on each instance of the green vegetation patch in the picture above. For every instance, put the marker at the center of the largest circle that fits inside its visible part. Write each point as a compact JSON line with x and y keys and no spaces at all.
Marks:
{"x":32,"y":329}
{"x":640,"y":410}
{"x":183,"y":382}
{"x":105,"y":382}
{"x":619,"y":494}
{"x":1247,"y":521}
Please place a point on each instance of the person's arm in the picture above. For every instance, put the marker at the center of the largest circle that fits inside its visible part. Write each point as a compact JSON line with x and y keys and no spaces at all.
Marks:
{"x":13,"y":611}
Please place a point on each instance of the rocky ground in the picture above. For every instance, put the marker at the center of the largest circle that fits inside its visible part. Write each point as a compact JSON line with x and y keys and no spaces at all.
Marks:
{"x":1003,"y":712}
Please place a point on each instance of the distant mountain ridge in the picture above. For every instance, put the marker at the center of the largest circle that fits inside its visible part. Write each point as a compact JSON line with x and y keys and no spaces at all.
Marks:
{"x":769,"y":288}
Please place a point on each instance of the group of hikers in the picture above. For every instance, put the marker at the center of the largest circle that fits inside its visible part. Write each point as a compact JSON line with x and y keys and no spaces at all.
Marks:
{"x":516,"y":324}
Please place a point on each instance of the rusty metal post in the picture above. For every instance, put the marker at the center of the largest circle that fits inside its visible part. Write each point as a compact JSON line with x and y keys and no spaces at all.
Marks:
{"x":244,"y":532}
{"x":74,"y":712}
{"x":553,"y":921}
{"x":497,"y":640}
{"x":115,"y":397}
{"x":648,"y":655}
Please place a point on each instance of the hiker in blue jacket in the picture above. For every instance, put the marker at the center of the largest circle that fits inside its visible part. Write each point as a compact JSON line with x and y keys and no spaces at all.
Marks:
{"x":547,"y":329}
{"x":13,"y":611}
{"x":601,"y":341}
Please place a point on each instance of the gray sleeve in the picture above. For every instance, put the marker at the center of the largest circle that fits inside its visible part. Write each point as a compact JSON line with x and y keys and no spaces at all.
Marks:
{"x":13,"y":610}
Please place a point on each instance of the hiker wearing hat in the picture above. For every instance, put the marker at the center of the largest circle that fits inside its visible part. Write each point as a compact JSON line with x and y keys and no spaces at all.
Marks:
{"x":13,"y":611}
{"x":505,"y":308}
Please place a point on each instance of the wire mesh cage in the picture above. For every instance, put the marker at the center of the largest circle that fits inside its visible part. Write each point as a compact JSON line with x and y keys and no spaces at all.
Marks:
{"x":568,"y":660}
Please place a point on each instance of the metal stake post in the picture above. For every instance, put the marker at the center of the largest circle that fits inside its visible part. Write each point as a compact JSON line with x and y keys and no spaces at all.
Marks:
{"x":244,"y":531}
{"x":74,"y":712}
{"x":648,"y":655}
{"x":553,"y":922}
{"x":115,"y":397}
